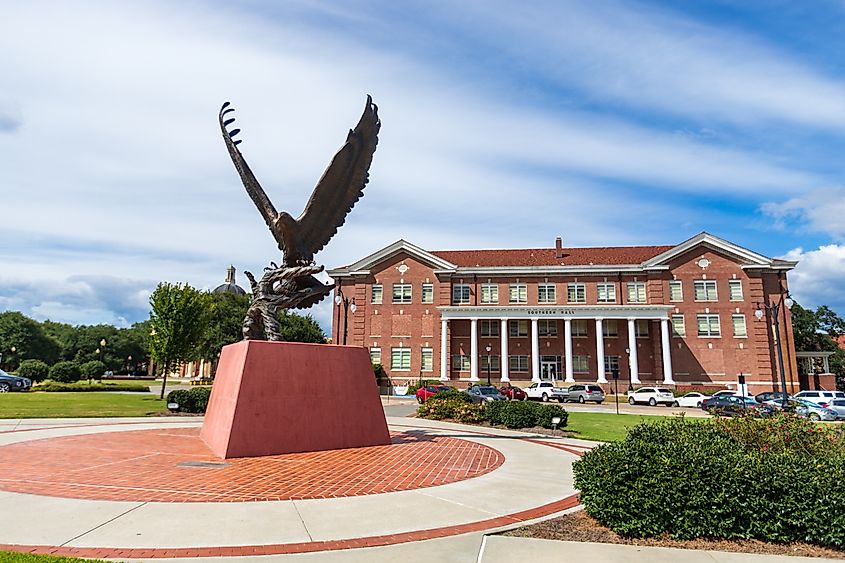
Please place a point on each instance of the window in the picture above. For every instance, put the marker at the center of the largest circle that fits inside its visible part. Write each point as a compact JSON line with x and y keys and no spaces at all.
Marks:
{"x":400,"y":359}
{"x":375,"y":355}
{"x":606,"y":293}
{"x":518,"y":293}
{"x":641,"y":328}
{"x":611,"y":363}
{"x":576,"y":293}
{"x":708,"y":326}
{"x":735,"y":287}
{"x":676,"y":291}
{"x":494,"y":363}
{"x":402,"y":293}
{"x":636,"y":292}
{"x":547,"y":327}
{"x":375,"y":294}
{"x":678,"y":326}
{"x":610,"y":328}
{"x":740,"y":331}
{"x":427,"y":359}
{"x":460,"y":294}
{"x":460,"y":363}
{"x":489,"y":293}
{"x":489,"y":327}
{"x":428,"y":293}
{"x":546,"y":293}
{"x":579,"y":328}
{"x":705,"y":290}
{"x":580,"y":364}
{"x":518,"y":364}
{"x":518,"y":328}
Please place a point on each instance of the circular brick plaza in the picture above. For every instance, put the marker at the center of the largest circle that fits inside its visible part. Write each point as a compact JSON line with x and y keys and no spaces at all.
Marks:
{"x":174,"y":465}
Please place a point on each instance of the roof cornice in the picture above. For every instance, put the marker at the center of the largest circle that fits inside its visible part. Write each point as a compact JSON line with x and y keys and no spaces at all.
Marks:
{"x":364,"y":266}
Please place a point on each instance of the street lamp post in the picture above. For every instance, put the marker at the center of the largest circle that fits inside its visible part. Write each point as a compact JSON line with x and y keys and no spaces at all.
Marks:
{"x":488,"y":348}
{"x":630,"y":381}
{"x":773,"y":310}
{"x":348,"y":305}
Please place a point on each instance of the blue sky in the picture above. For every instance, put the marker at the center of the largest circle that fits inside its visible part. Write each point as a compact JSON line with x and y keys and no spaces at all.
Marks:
{"x":505,"y":124}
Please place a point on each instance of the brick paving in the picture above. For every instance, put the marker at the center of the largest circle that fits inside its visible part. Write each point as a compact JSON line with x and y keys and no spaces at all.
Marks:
{"x":160,"y":466}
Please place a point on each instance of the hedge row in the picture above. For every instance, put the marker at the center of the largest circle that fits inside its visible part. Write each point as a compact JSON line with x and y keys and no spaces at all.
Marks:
{"x":776,"y":480}
{"x":83,"y":387}
{"x":193,"y":400}
{"x":458,"y":406}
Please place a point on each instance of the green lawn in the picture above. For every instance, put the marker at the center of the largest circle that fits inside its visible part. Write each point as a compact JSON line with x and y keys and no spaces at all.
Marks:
{"x":71,"y":405}
{"x":604,"y":427}
{"x":14,"y":557}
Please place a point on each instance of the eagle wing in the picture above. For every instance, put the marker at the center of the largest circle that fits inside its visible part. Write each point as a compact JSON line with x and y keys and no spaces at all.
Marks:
{"x":253,"y":188}
{"x":341,"y":185}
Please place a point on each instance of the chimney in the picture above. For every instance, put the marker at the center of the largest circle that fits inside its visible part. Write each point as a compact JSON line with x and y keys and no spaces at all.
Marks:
{"x":558,"y":248}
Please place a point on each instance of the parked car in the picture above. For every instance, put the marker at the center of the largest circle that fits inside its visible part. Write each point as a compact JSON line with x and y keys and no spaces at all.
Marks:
{"x":693,"y":399}
{"x":731,"y":405}
{"x":811,"y":410}
{"x":584,"y":393}
{"x":838,"y":405}
{"x":13,"y":383}
{"x":545,"y":390}
{"x":425,"y":393}
{"x":514,"y":393}
{"x":822,"y":398}
{"x":727,"y":393}
{"x":774,"y":398}
{"x":485,"y":394}
{"x":652,"y":395}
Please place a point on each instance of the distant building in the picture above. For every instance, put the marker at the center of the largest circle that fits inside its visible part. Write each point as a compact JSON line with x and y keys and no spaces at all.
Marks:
{"x":679,"y":315}
{"x":229,"y":286}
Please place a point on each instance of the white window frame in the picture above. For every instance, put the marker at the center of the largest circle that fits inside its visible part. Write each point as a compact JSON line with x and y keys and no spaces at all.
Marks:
{"x":489,"y":293}
{"x":375,"y":355}
{"x":546,"y":293}
{"x":676,"y":284}
{"x":636,"y":292}
{"x":494,"y":363}
{"x":461,"y":294}
{"x":609,"y":362}
{"x":547,"y":328}
{"x":610,"y":328}
{"x":427,"y":293}
{"x":605,"y":292}
{"x":518,"y":364}
{"x":518,"y":323}
{"x":490,"y":327}
{"x":427,"y":358}
{"x":579,"y":328}
{"x":735,"y":285}
{"x":708,"y":318}
{"x":576,"y":292}
{"x":376,"y":294}
{"x":461,"y":362}
{"x":744,"y":324}
{"x":580,"y":363}
{"x":639,"y":331}
{"x":679,"y":321}
{"x":404,"y":355}
{"x":518,"y":293}
{"x":405,"y":293}
{"x":703,"y":287}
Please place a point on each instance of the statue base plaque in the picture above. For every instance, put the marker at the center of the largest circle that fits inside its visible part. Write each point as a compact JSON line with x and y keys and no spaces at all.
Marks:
{"x":274,"y":398}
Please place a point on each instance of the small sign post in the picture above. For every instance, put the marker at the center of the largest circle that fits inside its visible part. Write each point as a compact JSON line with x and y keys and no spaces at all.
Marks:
{"x":615,"y":373}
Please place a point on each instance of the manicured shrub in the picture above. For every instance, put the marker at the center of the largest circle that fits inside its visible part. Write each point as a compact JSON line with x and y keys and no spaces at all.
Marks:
{"x":777,"y":479}
{"x":92,"y":370}
{"x":454,"y":394}
{"x":36,"y":370}
{"x":65,"y":372}
{"x":519,"y":414}
{"x":545,"y":414}
{"x":469,"y":413}
{"x":494,"y":411}
{"x":82,"y":387}
{"x":193,"y":400}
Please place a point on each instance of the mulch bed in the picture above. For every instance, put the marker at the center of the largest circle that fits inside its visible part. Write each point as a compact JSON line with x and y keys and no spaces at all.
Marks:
{"x":580,"y":527}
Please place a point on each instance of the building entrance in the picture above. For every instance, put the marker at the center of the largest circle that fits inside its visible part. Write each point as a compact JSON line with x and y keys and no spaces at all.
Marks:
{"x":548,"y":369}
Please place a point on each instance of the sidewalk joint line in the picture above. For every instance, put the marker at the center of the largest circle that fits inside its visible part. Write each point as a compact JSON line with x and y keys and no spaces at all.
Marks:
{"x":481,"y":551}
{"x":122,"y":514}
{"x":301,"y":519}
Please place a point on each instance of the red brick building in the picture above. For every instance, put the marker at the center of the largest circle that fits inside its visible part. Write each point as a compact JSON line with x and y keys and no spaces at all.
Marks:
{"x":680,"y":315}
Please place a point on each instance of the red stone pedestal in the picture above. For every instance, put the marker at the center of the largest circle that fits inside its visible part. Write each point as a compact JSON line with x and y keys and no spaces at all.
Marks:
{"x":285,"y":397}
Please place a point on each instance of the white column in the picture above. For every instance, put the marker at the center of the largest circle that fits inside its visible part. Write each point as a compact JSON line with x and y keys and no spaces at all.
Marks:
{"x":600,"y":352}
{"x":473,"y":361}
{"x":535,"y":351}
{"x":667,"y":353}
{"x":444,"y":352}
{"x":632,"y":346}
{"x":503,"y":360}
{"x":567,"y":345}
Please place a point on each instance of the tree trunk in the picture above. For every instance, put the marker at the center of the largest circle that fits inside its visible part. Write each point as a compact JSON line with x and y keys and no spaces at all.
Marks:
{"x":164,"y":379}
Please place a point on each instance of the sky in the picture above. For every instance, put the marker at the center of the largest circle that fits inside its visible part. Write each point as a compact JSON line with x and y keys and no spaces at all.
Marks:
{"x":504,"y":125}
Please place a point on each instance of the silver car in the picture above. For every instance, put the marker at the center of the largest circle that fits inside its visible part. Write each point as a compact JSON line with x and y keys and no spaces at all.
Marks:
{"x":584,"y":393}
{"x":809,"y":409}
{"x":838,"y":405}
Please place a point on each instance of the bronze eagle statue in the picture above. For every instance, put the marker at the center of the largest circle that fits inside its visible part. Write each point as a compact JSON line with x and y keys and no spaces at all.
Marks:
{"x":292,"y":283}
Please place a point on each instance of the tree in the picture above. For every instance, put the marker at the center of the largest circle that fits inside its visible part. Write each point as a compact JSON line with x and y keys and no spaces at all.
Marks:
{"x":35,"y":370}
{"x":27,"y":338}
{"x":299,"y":328}
{"x":816,"y":331}
{"x":177,"y":322}
{"x":226,"y":312}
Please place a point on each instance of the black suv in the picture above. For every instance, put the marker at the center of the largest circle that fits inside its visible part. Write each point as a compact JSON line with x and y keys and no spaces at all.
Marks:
{"x":13,"y":383}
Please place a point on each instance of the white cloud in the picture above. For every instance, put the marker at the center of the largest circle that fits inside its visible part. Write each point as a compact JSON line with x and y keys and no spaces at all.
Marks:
{"x":817,"y":280}
{"x":821,"y":211}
